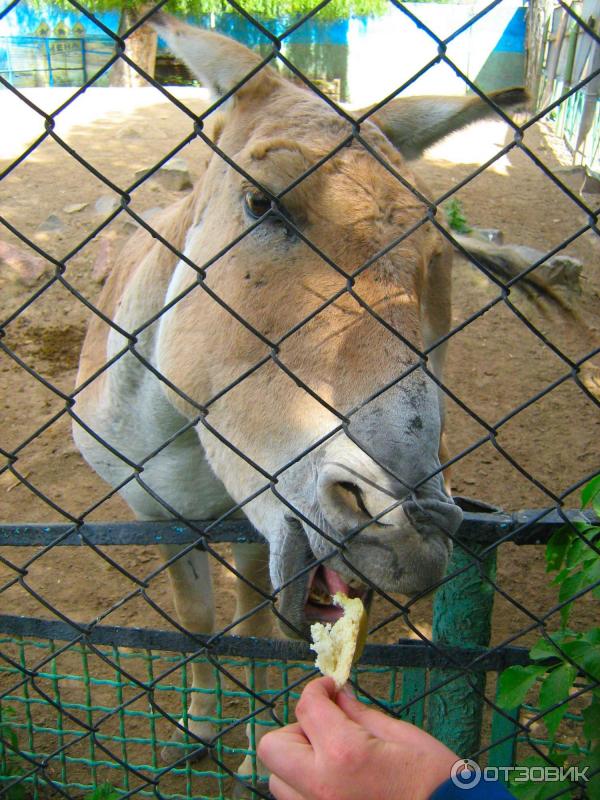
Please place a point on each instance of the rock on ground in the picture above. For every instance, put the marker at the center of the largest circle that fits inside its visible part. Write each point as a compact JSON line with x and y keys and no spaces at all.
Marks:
{"x":173,"y":176}
{"x":106,"y":204}
{"x":26,"y":267}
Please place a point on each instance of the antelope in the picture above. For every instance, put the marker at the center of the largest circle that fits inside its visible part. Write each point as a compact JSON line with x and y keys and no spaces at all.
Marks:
{"x":294,"y":355}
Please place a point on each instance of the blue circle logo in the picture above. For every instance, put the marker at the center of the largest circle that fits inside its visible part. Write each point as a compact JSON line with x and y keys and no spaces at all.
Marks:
{"x":465,"y":774}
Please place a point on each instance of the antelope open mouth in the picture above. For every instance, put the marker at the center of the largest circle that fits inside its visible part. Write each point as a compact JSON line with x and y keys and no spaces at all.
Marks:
{"x":323,"y":583}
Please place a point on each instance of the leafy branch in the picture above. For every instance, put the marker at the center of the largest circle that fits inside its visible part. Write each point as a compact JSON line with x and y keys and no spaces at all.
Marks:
{"x":455,"y":216}
{"x":566,"y":662}
{"x":12,"y":768}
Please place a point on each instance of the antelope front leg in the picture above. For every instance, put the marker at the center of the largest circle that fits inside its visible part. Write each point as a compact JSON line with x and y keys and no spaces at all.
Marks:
{"x":444,"y":456}
{"x":252,"y":561}
{"x":192,"y":590}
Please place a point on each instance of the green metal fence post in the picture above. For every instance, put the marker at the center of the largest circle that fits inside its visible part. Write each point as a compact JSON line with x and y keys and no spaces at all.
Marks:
{"x":462,"y":616}
{"x":414,"y":687}
{"x":504,"y":731}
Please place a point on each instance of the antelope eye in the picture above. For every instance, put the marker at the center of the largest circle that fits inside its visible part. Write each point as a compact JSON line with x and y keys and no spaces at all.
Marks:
{"x":257,"y":204}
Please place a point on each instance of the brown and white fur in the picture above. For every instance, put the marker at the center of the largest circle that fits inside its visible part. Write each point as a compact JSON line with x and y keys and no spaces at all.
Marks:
{"x":351,"y":208}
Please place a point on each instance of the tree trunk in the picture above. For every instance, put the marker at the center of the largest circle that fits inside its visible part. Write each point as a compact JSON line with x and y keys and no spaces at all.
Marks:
{"x":140,"y":47}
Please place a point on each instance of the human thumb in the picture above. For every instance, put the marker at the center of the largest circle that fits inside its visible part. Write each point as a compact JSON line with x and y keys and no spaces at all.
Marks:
{"x":375,"y":722}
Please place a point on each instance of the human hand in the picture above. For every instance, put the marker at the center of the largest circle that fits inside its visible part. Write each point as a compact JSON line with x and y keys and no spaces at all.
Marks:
{"x":340,"y":749}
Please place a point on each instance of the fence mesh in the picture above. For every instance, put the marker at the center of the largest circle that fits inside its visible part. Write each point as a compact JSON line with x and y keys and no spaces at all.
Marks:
{"x":97,"y":676}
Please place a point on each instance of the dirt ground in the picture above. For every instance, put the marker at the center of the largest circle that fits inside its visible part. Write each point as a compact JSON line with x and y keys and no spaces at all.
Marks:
{"x":495,"y":364}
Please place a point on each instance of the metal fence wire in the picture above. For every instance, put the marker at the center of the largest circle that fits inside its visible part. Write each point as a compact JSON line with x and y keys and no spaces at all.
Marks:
{"x":86,"y":705}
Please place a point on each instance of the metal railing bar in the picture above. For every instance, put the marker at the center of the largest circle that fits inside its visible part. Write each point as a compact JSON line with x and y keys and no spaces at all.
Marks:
{"x":407,"y":652}
{"x":476,"y":527}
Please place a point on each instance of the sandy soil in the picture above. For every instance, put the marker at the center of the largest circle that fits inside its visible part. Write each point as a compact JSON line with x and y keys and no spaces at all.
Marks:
{"x":496,"y":365}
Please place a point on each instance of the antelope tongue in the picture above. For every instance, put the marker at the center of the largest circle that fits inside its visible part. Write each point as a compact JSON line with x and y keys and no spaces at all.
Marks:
{"x":323,"y":585}
{"x":334,"y":581}
{"x":319,"y":606}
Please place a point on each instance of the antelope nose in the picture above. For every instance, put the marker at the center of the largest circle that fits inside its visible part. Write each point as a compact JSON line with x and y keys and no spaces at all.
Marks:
{"x":347,"y":500}
{"x":350,"y":500}
{"x":429,"y":515}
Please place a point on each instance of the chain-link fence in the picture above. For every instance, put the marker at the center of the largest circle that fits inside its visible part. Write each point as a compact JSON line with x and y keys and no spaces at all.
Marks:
{"x":271,"y":345}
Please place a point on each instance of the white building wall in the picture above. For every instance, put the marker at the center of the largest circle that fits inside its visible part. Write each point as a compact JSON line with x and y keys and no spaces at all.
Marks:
{"x":387,"y":51}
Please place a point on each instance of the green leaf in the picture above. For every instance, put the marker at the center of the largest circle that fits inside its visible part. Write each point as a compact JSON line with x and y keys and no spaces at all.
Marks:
{"x":554,"y":689}
{"x":592,"y":636}
{"x":590,"y":661}
{"x":579,"y":551}
{"x":582,"y":648}
{"x":552,"y":789}
{"x":591,"y":720}
{"x":584,"y":527}
{"x":592,"y":788}
{"x":527,"y":790}
{"x":569,"y":587}
{"x":591,"y":571}
{"x":17,"y":792}
{"x":557,"y":548}
{"x":9,"y":734}
{"x":514,"y":683}
{"x":561,"y":576}
{"x":592,"y":760}
{"x":590,"y":492}
{"x":543,"y":649}
{"x":559,"y":758}
{"x":455,"y":216}
{"x":103,"y":792}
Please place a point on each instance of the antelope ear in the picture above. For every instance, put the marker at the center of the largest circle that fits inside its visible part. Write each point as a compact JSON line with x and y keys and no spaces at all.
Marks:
{"x":218,"y":62}
{"x":413,"y":124}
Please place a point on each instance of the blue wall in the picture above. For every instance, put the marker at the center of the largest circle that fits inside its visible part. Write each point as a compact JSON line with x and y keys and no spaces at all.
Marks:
{"x":505,"y":65}
{"x":24,"y":20}
{"x":371,"y":56}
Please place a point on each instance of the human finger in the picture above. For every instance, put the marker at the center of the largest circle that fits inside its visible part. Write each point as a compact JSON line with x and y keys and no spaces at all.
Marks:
{"x":282,"y":791}
{"x":414,"y":749}
{"x":375,"y":722}
{"x":318,"y":713}
{"x":286,"y":752}
{"x":293,"y":731}
{"x":389,"y":728}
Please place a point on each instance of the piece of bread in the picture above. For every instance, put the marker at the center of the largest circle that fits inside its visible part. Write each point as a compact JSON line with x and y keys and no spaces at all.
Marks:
{"x":339,"y":645}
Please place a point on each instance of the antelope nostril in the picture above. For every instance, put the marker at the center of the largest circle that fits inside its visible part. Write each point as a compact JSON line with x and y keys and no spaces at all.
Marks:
{"x":346,"y":503}
{"x":351,"y":495}
{"x":439,"y":516}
